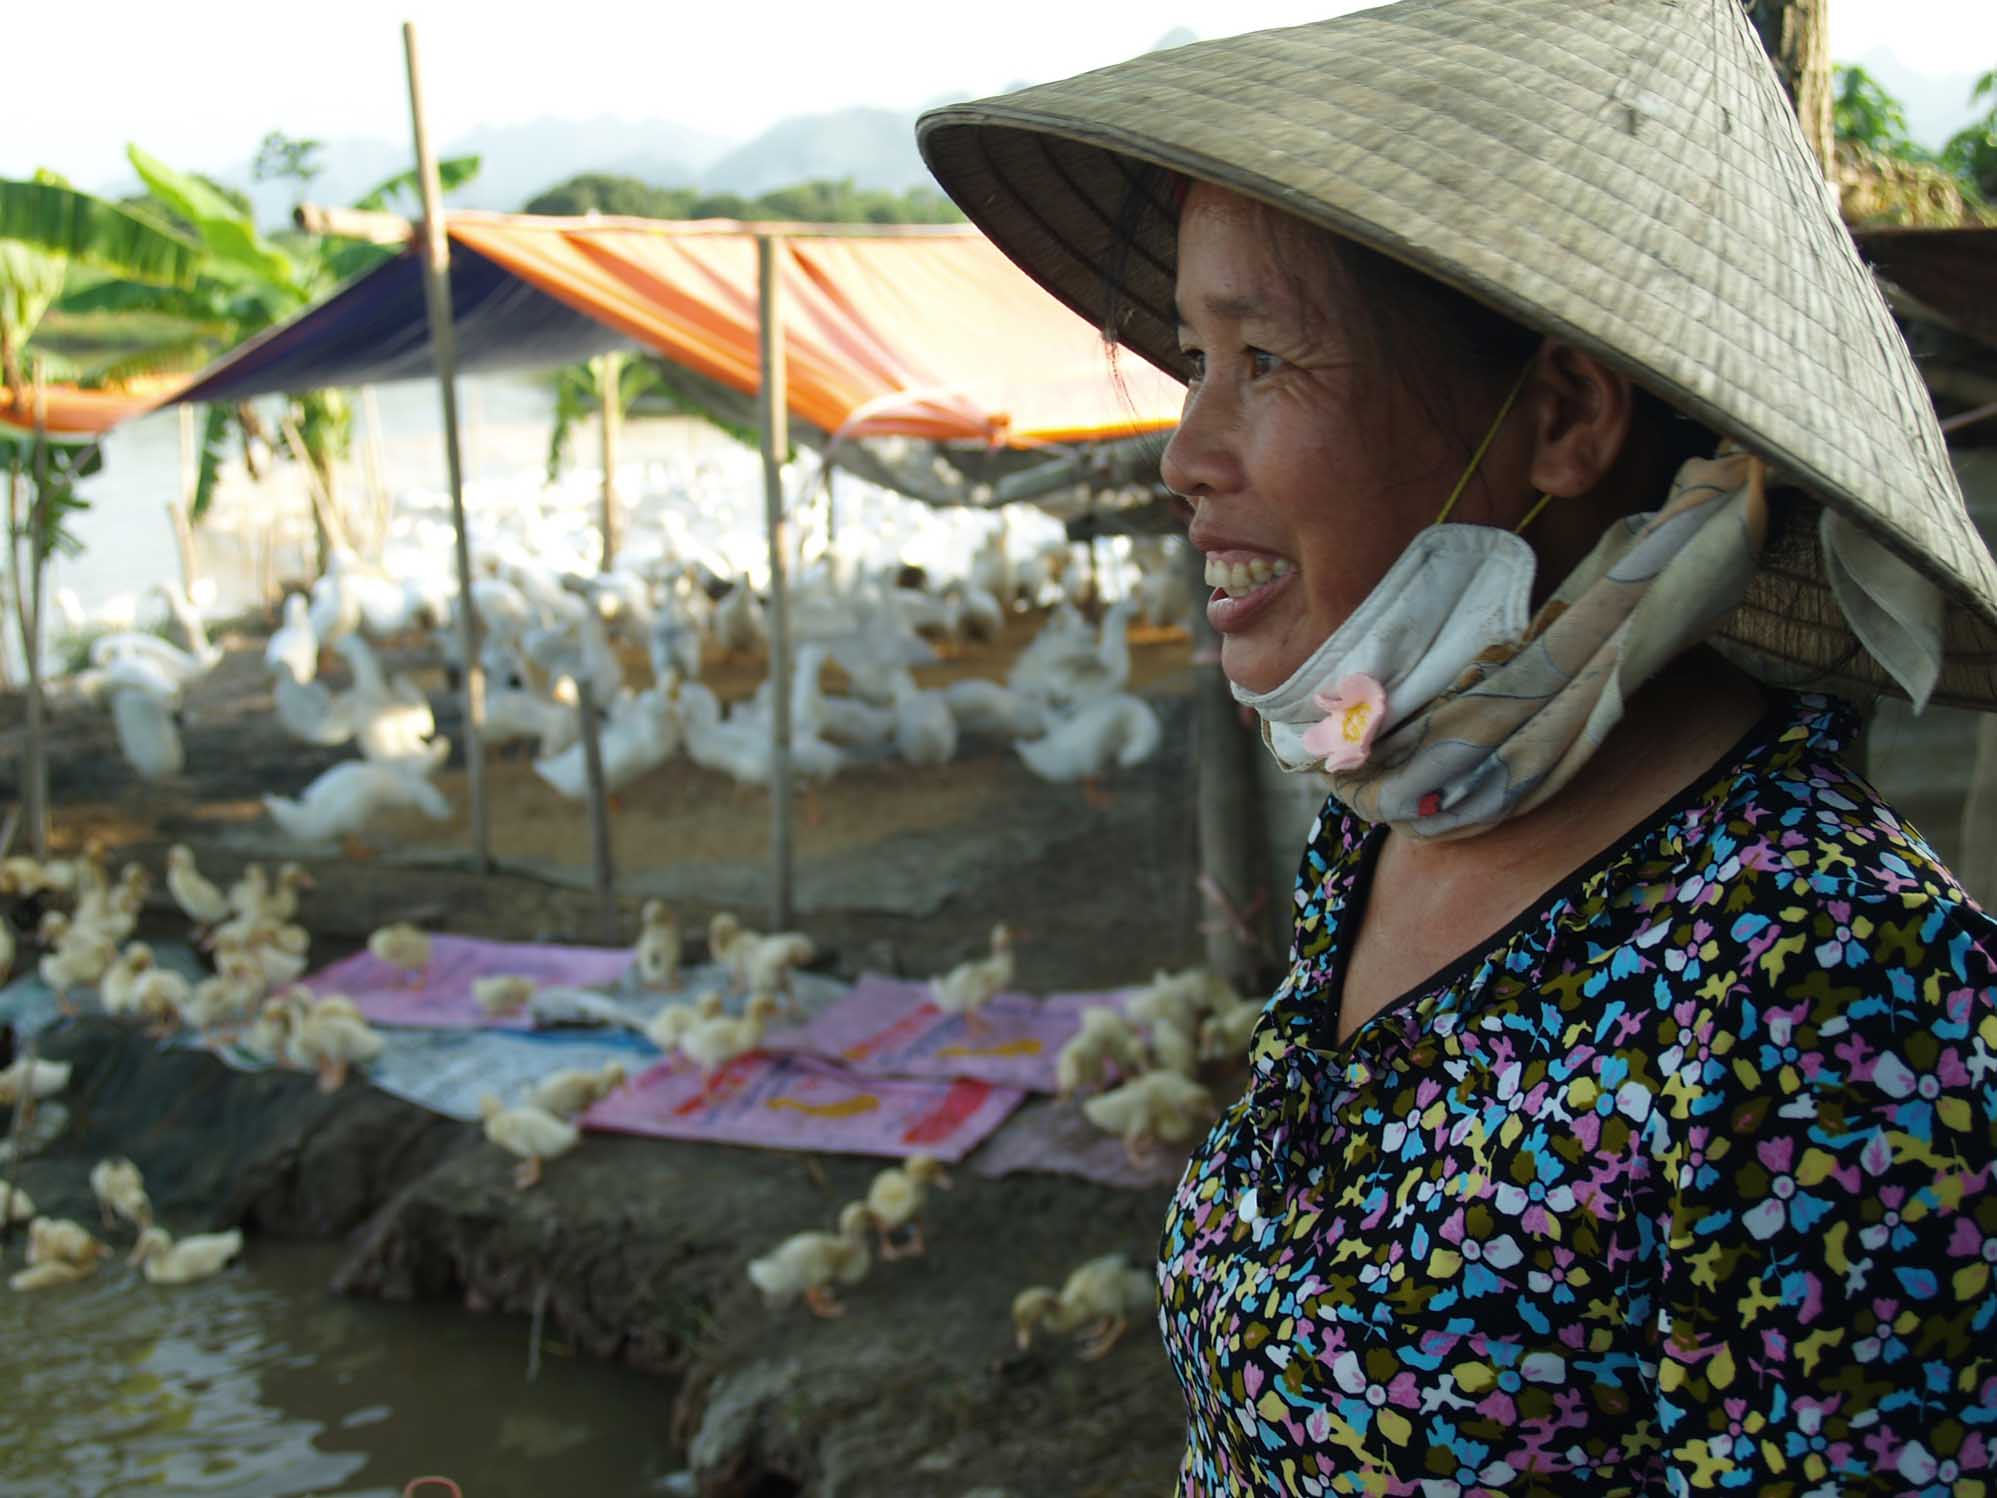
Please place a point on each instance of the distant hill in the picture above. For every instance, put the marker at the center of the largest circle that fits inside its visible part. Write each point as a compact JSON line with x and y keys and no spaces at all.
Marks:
{"x":874,"y":147}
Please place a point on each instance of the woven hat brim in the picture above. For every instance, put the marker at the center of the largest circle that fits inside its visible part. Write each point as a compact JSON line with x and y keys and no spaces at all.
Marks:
{"x":1677,"y":229}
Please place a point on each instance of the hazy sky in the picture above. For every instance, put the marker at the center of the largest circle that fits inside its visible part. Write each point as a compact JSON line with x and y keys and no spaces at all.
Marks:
{"x":199,"y":84}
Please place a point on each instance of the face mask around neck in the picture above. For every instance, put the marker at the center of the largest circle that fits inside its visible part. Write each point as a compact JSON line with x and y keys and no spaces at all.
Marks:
{"x":1456,"y":591}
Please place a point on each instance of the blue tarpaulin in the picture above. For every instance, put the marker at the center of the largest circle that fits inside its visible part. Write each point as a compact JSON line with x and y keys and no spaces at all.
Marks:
{"x":376,"y":329}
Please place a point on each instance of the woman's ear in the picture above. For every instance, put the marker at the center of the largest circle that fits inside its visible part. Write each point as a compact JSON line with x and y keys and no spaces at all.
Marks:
{"x":1581,"y":411}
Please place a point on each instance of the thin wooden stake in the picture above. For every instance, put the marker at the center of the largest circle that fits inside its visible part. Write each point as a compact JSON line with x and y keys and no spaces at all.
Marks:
{"x":603,"y":875}
{"x":609,"y":383}
{"x":775,"y":404}
{"x":444,"y":347}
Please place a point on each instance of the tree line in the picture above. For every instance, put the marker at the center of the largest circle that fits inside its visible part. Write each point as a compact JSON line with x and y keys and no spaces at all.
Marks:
{"x":822,"y":202}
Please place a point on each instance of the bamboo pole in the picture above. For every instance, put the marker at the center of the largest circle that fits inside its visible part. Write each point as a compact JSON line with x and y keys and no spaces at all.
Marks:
{"x":37,"y":789}
{"x":775,"y":412}
{"x":377,"y":470}
{"x":609,"y":381}
{"x":443,"y":341}
{"x":603,"y":875}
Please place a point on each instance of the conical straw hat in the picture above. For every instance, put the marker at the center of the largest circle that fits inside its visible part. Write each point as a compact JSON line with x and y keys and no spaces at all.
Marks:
{"x":1628,"y":176}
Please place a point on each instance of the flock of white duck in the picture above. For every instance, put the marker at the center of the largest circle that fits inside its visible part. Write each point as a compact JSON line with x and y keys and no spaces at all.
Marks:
{"x":548,"y":628}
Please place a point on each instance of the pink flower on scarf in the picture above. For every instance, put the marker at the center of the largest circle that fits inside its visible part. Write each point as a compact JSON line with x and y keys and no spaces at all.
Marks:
{"x":1353,"y":712}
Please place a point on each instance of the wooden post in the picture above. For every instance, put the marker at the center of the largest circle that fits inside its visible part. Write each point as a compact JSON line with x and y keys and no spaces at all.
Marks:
{"x":443,"y":343}
{"x":609,"y":382}
{"x":603,"y":875}
{"x":1230,"y":811}
{"x":36,"y":791}
{"x":775,"y":412}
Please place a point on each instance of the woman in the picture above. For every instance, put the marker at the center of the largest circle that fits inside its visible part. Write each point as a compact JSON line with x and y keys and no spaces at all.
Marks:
{"x":1626,"y":1120}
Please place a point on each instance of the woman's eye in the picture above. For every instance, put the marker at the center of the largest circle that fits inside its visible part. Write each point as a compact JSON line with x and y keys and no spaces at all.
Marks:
{"x":1196,"y":362}
{"x":1263,"y":362}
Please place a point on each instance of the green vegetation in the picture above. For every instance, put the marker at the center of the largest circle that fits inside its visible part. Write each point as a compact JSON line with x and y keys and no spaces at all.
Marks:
{"x":828,"y":202}
{"x":1866,"y":117}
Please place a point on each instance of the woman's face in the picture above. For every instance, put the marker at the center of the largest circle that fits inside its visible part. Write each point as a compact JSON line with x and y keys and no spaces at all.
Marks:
{"x":1307,"y":469}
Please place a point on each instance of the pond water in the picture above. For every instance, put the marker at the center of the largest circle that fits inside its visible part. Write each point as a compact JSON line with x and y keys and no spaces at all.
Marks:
{"x":260,"y":1384}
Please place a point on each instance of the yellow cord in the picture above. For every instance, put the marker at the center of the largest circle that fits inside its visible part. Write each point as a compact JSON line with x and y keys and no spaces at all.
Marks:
{"x":1484,"y":446}
{"x":1533,"y":513}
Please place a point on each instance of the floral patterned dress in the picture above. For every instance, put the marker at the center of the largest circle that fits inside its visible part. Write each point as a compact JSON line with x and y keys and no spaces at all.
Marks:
{"x":1682,"y":1183}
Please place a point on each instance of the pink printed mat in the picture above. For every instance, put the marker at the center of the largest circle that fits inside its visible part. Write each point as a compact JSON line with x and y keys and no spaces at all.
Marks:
{"x":889,"y":1027}
{"x":441,"y":997}
{"x":802,"y":1103}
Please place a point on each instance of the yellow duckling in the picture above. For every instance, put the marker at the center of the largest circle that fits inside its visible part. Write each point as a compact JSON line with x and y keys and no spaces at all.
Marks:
{"x":810,"y":1264}
{"x":657,"y":955}
{"x":49,"y":1274}
{"x":333,"y":1037}
{"x":224,"y":999}
{"x":895,"y":1199}
{"x":15,"y":1204}
{"x":403,"y":946}
{"x":669,"y":1026}
{"x":121,"y":978}
{"x":728,"y":943}
{"x":712,"y":1043}
{"x":160,"y":997}
{"x":58,"y":1240}
{"x":198,"y":898}
{"x":121,"y":1192}
{"x":81,"y":955}
{"x":281,"y":905}
{"x":1098,"y":1299}
{"x":575,"y":1090}
{"x":1225,"y":1033}
{"x":504,"y":993}
{"x":1105,"y":1040}
{"x":969,"y":986}
{"x":27,"y":1082}
{"x":1158,"y":1105}
{"x":192,"y":1258}
{"x":532,"y":1133}
{"x":280,"y":950}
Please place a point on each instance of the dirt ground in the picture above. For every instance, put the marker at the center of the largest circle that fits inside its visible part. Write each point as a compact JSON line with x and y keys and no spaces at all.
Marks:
{"x":634,"y":1248}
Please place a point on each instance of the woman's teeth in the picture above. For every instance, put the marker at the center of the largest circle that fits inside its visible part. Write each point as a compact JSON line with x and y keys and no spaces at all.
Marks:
{"x":1238,"y":579}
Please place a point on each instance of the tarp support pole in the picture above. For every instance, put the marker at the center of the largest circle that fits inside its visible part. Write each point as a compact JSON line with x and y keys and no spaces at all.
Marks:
{"x":1230,"y":809}
{"x":443,"y":343}
{"x":775,"y":413}
{"x":609,"y":382}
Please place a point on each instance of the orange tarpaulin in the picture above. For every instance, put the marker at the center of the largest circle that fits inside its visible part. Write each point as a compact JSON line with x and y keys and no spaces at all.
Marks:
{"x":929,"y":334}
{"x":72,"y":412}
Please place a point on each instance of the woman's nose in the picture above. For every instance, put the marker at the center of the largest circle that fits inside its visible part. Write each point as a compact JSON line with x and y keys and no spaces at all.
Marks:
{"x":1197,"y":459}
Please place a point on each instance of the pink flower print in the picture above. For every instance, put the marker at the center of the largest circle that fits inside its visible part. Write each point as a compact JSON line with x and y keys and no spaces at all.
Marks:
{"x":1353,"y":712}
{"x":1689,"y":959}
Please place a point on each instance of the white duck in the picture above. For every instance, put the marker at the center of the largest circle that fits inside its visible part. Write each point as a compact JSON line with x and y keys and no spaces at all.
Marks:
{"x":640,"y":735}
{"x":293,"y":647}
{"x":981,"y":706}
{"x":344,"y":799}
{"x":1114,"y":729}
{"x":740,"y":745}
{"x":142,"y":703}
{"x":925,"y":732}
{"x":392,"y":719}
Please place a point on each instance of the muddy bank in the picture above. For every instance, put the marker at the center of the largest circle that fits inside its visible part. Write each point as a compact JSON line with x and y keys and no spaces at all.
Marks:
{"x":634,"y":1250}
